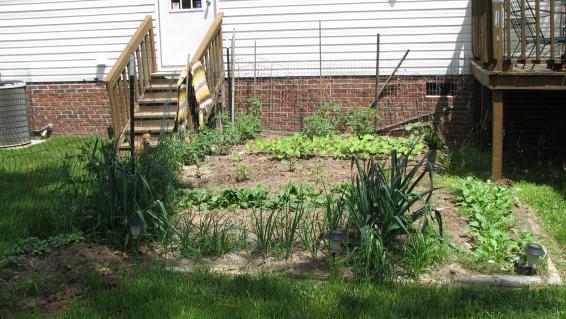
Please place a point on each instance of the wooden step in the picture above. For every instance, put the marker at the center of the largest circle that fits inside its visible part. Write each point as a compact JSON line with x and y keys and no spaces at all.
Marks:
{"x":153,"y":128}
{"x":164,"y":95}
{"x":159,"y":100}
{"x":163,"y":87}
{"x":155,"y":115}
{"x":166,"y":75}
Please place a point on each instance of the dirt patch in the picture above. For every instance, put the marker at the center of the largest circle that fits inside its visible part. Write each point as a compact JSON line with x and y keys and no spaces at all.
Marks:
{"x":454,"y":223}
{"x":219,"y":171}
{"x":47,"y":283}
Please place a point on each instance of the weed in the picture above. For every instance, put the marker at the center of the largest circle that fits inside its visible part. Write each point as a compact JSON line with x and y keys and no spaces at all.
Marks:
{"x":422,"y":250}
{"x":371,"y":258}
{"x":334,"y":212}
{"x":361,"y":121}
{"x":210,"y":235}
{"x":243,"y":172}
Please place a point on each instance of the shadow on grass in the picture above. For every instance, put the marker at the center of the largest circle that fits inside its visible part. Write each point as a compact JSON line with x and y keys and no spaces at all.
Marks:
{"x":34,"y":187}
{"x":160,"y":294}
{"x":470,"y":161}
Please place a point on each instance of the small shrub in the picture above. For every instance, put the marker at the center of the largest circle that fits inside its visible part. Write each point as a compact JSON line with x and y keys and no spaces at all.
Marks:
{"x":361,"y":121}
{"x":243,"y":172}
{"x":325,"y":121}
{"x":248,"y":123}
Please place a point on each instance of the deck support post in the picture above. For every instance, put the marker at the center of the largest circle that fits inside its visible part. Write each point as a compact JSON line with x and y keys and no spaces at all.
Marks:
{"x":497,"y":141}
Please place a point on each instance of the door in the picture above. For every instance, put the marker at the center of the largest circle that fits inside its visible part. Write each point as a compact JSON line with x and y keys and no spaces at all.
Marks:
{"x":181,"y":26}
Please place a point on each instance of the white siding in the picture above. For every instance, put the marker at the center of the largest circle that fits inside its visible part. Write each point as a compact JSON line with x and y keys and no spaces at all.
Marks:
{"x":286,"y":33}
{"x":48,"y":40}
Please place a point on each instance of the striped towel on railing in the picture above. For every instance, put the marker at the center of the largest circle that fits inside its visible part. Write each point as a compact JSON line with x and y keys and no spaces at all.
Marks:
{"x":202,"y":93}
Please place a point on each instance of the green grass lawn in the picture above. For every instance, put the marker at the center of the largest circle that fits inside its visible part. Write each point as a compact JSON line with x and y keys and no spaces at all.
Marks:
{"x":31,"y":182}
{"x":156,"y":293}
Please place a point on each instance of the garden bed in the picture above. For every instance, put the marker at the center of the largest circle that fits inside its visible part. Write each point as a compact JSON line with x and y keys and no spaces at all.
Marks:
{"x":322,"y":173}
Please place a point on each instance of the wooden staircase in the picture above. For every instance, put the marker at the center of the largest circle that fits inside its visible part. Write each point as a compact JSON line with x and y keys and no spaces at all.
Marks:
{"x":156,"y":110}
{"x":148,"y":99}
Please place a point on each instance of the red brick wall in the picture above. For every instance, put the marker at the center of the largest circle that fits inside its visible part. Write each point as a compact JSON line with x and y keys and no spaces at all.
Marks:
{"x":286,"y":101}
{"x":74,"y":108}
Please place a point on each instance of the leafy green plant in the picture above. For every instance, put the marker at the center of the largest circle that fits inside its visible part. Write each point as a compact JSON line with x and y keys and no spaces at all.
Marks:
{"x":361,"y":121}
{"x":37,"y":246}
{"x":383,"y":197}
{"x":300,"y":146}
{"x":257,"y":197}
{"x":243,"y":172}
{"x":248,"y":123}
{"x":489,"y":209}
{"x":432,"y":139}
{"x":325,"y":121}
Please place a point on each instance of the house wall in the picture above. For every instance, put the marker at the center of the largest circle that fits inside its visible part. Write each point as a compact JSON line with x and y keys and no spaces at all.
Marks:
{"x":287,"y":101}
{"x":74,"y":108}
{"x":304,"y":53}
{"x":64,"y":40}
{"x":285,"y":36}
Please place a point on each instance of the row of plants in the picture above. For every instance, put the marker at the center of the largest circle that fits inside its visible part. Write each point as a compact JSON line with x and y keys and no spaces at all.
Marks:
{"x":387,"y":226}
{"x":496,"y":239}
{"x":244,"y":198}
{"x":301,"y":146}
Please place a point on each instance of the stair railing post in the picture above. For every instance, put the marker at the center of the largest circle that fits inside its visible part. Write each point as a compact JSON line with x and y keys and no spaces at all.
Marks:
{"x":132,"y":85}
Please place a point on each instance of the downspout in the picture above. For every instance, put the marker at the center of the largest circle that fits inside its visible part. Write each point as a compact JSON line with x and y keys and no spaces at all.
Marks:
{"x":215,"y":8}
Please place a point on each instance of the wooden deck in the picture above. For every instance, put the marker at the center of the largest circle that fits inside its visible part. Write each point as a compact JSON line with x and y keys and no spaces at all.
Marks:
{"x":498,"y":67}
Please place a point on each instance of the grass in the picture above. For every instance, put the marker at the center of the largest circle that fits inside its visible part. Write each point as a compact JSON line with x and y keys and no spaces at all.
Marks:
{"x":156,"y":293}
{"x":31,"y":181}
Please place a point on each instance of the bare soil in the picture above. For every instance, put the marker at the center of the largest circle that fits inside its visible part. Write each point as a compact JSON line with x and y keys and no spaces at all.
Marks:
{"x":219,"y":171}
{"x":47,"y":283}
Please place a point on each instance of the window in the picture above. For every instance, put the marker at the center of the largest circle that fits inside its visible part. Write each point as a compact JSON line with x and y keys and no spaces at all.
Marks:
{"x":440,"y":88}
{"x":186,"y":4}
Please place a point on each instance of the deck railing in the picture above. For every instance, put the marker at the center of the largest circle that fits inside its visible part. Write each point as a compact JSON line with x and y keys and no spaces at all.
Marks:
{"x":209,"y":53}
{"x":510,"y":32}
{"x":137,"y":60}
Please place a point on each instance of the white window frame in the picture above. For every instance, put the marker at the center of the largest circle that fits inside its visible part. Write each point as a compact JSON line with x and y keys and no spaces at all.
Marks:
{"x":191,"y":9}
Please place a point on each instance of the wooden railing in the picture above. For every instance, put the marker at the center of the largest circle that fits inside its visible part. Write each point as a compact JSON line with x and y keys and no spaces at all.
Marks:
{"x":209,"y":53}
{"x":137,"y":60}
{"x":507,"y":32}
